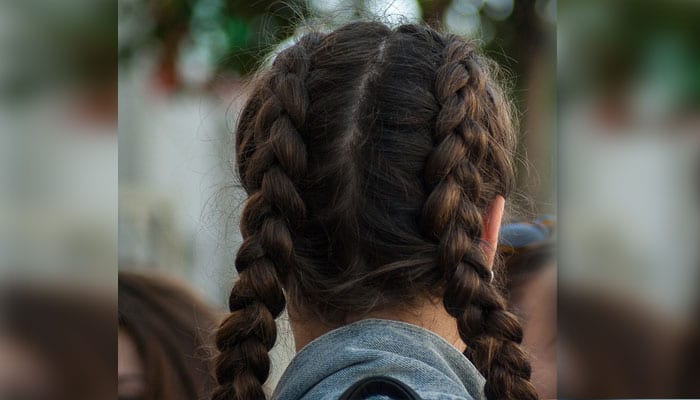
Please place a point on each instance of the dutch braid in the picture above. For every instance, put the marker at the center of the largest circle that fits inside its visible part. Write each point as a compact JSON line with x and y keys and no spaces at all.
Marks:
{"x":452,"y":217}
{"x":270,"y":139}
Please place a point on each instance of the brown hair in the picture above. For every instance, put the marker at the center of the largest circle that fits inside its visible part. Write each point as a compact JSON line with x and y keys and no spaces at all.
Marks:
{"x":523,"y":264}
{"x":71,"y":332}
{"x":170,"y":327}
{"x":369,"y":156}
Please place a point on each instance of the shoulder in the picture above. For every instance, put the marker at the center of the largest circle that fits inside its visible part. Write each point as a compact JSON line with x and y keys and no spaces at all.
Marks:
{"x":334,"y":362}
{"x":388,"y":388}
{"x":425,"y":396}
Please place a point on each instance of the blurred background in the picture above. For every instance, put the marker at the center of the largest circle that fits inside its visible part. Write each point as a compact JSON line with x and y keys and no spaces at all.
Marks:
{"x":609,"y":99}
{"x":58,"y":199}
{"x":58,"y":140}
{"x":628,"y":94}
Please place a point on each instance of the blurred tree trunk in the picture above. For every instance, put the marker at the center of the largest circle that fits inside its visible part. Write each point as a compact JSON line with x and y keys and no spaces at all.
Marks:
{"x":434,"y":10}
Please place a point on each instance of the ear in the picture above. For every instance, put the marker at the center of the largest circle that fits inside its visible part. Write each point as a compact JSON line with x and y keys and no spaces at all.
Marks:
{"x":492,"y":225}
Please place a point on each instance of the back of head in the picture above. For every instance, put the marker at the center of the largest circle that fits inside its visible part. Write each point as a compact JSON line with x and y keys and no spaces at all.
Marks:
{"x":370,"y":156}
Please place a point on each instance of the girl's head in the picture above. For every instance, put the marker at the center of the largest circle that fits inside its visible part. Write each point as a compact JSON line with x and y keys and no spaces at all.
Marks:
{"x":164,"y":339}
{"x":371,"y":157}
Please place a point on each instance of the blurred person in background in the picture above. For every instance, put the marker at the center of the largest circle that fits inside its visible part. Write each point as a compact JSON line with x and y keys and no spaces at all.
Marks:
{"x":636,"y":352}
{"x":56,"y":343}
{"x":528,"y":250}
{"x":376,"y":162}
{"x":620,"y":330}
{"x":688,"y":383}
{"x":164,"y":340}
{"x":628,"y":84}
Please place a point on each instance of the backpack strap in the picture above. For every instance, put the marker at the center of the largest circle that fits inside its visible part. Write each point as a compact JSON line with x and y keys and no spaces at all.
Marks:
{"x":377,"y":386}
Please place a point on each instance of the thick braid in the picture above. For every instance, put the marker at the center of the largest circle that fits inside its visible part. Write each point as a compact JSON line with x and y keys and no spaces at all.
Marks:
{"x":452,"y":217}
{"x":272,"y":162}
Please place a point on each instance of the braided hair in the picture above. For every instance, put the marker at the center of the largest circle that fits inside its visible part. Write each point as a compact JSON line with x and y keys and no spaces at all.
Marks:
{"x":369,"y":156}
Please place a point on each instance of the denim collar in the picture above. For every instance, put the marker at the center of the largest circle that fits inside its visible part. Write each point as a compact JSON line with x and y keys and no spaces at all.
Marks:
{"x":331,"y":363}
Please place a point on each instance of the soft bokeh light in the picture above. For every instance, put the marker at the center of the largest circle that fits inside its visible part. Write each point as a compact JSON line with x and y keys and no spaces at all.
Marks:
{"x":498,"y":10}
{"x":463,"y":18}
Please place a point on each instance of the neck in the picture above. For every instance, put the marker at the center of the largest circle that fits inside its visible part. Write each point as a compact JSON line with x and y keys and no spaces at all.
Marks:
{"x":430,"y":314}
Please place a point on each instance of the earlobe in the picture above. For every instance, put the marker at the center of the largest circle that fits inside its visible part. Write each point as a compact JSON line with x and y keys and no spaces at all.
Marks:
{"x":492,"y":225}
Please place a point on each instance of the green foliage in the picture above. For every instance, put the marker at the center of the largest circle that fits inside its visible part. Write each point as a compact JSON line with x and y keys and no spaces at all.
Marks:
{"x":235,"y":36}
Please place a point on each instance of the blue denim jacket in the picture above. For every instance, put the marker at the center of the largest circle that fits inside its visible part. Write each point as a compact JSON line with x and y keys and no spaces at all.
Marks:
{"x":331,"y":363}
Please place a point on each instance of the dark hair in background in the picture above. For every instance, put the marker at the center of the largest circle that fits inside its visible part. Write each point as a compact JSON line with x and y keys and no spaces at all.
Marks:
{"x":523,"y":264}
{"x":369,"y":156}
{"x":688,"y":383}
{"x":171,"y":329}
{"x":72,"y":332}
{"x":614,"y":365}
